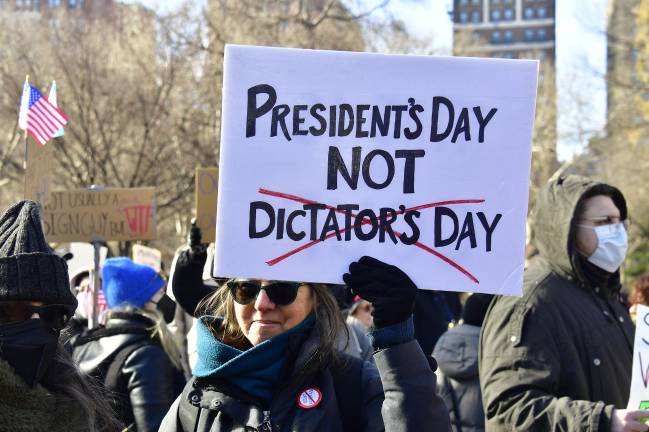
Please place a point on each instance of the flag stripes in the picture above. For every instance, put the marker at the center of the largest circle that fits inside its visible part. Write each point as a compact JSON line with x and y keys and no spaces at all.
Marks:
{"x":44,"y":120}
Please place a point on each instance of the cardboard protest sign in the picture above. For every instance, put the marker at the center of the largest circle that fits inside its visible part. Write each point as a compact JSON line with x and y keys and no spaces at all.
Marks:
{"x":147,"y":256}
{"x":38,"y":174}
{"x":422,"y":162}
{"x":108,"y":214}
{"x":639,"y":396}
{"x":206,"y":196}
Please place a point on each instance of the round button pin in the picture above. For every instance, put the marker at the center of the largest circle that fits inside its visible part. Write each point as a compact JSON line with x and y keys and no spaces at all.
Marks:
{"x":309,"y":398}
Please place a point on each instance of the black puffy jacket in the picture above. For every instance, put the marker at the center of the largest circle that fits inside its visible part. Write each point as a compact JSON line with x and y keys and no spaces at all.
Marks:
{"x":147,"y":384}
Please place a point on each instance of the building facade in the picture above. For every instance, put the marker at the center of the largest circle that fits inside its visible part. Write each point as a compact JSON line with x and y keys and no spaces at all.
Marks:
{"x":517,"y":29}
{"x":505,"y":28}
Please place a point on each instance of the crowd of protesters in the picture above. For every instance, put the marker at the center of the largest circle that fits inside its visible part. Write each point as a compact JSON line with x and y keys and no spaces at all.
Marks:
{"x":373,"y":354}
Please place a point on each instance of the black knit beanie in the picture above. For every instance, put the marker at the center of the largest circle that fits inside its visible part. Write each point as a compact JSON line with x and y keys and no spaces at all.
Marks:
{"x":475,"y":309}
{"x":29,"y":268}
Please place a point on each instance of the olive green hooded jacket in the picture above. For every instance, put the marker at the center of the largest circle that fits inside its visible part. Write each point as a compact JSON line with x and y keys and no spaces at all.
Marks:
{"x":559,"y":358}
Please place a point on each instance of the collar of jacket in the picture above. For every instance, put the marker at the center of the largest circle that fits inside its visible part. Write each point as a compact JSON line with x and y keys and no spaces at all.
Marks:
{"x":27,"y":409}
{"x":119,"y":323}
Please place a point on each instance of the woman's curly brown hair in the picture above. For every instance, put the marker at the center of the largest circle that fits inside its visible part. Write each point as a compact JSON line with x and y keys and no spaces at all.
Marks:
{"x":640,"y":291}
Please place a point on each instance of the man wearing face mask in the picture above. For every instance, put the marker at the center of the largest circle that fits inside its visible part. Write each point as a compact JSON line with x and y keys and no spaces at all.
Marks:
{"x":40,"y":387}
{"x":134,"y":355}
{"x":560,"y":357}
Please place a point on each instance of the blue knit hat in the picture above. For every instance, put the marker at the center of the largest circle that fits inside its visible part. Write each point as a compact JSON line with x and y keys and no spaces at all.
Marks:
{"x":126,"y":283}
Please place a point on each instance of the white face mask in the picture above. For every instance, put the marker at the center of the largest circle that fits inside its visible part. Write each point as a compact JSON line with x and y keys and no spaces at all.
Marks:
{"x":82,"y":299}
{"x":612,"y":244}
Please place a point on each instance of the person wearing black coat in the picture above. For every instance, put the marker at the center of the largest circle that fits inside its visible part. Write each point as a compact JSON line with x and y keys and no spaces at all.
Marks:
{"x":267,"y":360}
{"x":456,"y":353}
{"x":134,"y":355}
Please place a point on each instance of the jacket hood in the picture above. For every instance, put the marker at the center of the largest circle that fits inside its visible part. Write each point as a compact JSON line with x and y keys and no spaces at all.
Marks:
{"x":552,"y":218}
{"x":456,"y":352}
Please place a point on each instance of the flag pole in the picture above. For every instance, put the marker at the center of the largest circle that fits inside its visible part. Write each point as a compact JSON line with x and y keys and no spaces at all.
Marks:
{"x":25,"y":135}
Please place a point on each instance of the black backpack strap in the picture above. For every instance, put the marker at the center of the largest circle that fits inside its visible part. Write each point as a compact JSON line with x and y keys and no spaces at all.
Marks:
{"x":348,"y":384}
{"x":111,"y":381}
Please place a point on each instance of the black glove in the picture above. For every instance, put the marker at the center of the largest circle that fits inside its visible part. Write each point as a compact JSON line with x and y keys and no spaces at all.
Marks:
{"x":188,"y":286}
{"x":390,"y":290}
{"x":198,"y":251}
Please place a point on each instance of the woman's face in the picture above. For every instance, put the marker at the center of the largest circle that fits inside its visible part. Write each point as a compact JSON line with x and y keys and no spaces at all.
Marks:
{"x":262,"y":319}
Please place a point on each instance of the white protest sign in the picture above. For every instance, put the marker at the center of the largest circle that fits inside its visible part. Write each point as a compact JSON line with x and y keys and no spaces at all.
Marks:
{"x":83,"y":256}
{"x":639,"y":396}
{"x":147,"y":256}
{"x":421,"y":162}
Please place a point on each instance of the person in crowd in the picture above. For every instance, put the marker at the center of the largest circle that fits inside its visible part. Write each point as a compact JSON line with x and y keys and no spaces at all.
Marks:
{"x":267,"y":360}
{"x":360,"y":314}
{"x":434,"y":312}
{"x":639,"y":294}
{"x":456,"y":353}
{"x":559,"y":358}
{"x":41,"y":388}
{"x":134,"y":355}
{"x":82,"y":290}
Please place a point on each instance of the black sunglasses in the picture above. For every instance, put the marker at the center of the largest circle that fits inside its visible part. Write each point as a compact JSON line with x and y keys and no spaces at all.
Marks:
{"x":280,"y":293}
{"x":54,"y":316}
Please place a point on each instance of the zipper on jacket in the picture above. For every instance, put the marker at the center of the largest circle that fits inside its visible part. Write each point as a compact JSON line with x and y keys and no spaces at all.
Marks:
{"x":266,"y":425}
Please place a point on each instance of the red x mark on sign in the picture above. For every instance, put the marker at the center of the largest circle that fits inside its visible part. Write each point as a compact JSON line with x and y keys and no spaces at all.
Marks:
{"x":365,"y":221}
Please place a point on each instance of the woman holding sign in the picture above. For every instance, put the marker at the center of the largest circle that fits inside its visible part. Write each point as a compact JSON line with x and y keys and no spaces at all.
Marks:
{"x":267,"y":360}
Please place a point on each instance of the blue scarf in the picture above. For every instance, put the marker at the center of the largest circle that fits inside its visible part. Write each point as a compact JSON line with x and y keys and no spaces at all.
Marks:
{"x":257,"y":371}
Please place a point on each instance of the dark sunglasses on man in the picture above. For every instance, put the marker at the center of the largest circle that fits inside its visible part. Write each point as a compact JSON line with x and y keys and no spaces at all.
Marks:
{"x":280,"y":293}
{"x":54,"y":316}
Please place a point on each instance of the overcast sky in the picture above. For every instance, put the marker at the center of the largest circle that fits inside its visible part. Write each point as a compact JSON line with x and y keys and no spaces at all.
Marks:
{"x":581,"y":56}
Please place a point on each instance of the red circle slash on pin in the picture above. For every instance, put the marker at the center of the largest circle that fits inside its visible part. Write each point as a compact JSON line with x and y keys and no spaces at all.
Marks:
{"x":309,"y":398}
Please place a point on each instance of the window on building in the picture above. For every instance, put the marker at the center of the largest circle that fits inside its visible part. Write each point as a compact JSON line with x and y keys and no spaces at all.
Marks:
{"x":54,"y":3}
{"x":509,"y":55}
{"x":529,"y":35}
{"x":508,"y":1}
{"x":495,"y":15}
{"x":476,"y":2}
{"x":541,"y":12}
{"x":508,"y":14}
{"x":475,"y":17}
{"x":495,"y":37}
{"x":495,"y":1}
{"x":464,"y":2}
{"x":72,"y":4}
{"x":464,"y":17}
{"x":509,"y":36}
{"x":529,"y":13}
{"x":541,"y":35}
{"x":476,"y":36}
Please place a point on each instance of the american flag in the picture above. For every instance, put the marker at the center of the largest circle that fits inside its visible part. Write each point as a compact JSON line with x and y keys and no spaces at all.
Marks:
{"x":44,"y":120}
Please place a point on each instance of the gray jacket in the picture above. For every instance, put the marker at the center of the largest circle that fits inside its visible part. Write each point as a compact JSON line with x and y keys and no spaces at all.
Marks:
{"x":398,"y":394}
{"x":458,"y":383}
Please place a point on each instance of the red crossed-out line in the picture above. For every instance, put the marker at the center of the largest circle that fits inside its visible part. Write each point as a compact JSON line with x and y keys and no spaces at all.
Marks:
{"x":366,"y":221}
